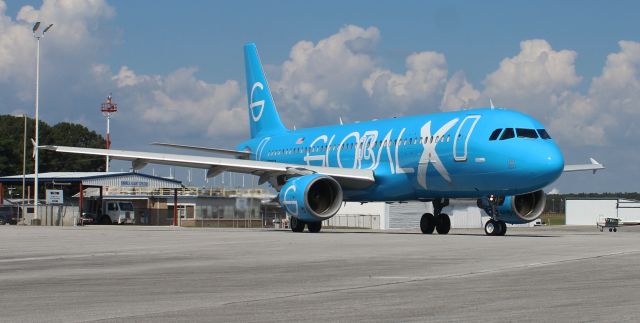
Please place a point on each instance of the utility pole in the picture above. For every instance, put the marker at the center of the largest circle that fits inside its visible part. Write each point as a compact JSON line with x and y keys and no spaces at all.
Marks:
{"x":108,"y":108}
{"x":24,"y":162}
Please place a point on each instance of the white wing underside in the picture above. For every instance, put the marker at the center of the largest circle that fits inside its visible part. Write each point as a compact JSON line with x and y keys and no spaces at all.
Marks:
{"x":348,"y":178}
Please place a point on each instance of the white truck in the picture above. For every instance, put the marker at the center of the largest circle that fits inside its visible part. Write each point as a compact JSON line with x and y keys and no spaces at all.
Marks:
{"x":120,"y":212}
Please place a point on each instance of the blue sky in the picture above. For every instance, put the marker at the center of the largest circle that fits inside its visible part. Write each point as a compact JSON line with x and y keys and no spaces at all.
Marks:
{"x":176,"y":67}
{"x":157,"y":37}
{"x":194,"y":31}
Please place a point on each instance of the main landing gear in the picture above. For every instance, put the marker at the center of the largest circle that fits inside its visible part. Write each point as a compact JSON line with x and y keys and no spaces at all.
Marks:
{"x":494,"y":227}
{"x":297,"y":225}
{"x":438,"y":221}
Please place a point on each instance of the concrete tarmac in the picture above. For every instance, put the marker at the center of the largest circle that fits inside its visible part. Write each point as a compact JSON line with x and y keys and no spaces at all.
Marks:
{"x":149,"y":274}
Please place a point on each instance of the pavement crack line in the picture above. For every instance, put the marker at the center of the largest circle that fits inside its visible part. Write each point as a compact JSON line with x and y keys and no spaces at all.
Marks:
{"x":401,"y":282}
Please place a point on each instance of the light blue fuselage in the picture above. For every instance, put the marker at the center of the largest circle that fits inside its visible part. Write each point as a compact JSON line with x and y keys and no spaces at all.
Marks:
{"x":444,"y":155}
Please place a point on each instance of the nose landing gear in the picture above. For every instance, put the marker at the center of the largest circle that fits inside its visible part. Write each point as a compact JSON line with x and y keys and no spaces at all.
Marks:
{"x":493,"y":227}
{"x":438,"y":221}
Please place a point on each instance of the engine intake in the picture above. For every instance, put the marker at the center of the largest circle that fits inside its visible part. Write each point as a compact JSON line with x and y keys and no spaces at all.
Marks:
{"x":311,"y":197}
{"x":517,"y":209}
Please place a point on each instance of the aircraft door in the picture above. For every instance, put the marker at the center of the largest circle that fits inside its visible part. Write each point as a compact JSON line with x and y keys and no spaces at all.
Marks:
{"x":462,"y":137}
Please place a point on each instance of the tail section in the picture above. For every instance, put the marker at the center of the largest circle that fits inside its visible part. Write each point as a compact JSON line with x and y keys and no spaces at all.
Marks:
{"x":263,"y":116}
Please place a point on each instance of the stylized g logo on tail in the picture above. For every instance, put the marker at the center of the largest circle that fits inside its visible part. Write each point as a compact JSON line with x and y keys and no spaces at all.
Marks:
{"x":258,"y":105}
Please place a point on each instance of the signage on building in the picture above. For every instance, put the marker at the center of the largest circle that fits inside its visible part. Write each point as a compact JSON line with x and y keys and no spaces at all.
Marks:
{"x":54,"y":197}
{"x":134,"y":184}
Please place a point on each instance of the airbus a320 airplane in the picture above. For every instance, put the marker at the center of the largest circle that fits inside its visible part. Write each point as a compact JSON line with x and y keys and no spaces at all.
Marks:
{"x":499,"y":157}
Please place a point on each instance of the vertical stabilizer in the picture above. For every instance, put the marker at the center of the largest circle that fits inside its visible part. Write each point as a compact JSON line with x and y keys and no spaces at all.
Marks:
{"x":263,"y":116}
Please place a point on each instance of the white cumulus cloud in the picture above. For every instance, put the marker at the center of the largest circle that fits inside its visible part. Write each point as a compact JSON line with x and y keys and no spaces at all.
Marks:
{"x":67,"y":50}
{"x":537,"y":70}
{"x":180,"y":103}
{"x":458,"y":93}
{"x":326,"y":75}
{"x":422,"y":83}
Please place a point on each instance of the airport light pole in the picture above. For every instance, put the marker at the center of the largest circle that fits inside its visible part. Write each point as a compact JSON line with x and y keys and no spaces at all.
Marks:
{"x":37,"y":36}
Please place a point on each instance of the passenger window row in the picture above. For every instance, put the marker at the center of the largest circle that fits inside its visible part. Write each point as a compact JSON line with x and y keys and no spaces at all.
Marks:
{"x":349,"y":146}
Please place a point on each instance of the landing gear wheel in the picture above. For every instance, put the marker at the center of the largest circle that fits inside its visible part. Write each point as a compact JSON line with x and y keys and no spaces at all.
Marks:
{"x":427,"y":223}
{"x":503,"y":228}
{"x":314,"y":227}
{"x":443,"y":223}
{"x":491,"y":227}
{"x":297,"y":225}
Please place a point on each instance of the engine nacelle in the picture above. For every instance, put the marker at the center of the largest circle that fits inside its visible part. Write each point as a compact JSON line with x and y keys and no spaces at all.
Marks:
{"x":311,"y":197}
{"x":517,"y":209}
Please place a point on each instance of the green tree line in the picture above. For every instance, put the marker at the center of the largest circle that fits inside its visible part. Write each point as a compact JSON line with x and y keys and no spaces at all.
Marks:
{"x":64,"y":134}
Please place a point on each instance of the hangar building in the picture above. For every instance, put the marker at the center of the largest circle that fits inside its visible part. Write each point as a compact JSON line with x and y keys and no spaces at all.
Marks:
{"x":154,"y":200}
{"x":588,"y":211}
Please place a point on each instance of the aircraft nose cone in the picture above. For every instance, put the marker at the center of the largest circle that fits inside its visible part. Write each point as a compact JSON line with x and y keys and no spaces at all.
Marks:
{"x":550,"y":163}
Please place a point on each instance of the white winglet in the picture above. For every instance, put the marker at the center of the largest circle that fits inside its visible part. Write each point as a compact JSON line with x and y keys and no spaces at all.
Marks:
{"x":593,"y":166}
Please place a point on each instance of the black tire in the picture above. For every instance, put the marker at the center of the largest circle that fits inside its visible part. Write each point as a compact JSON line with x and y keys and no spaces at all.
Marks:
{"x":610,"y":229}
{"x":491,"y":227}
{"x":105,"y":220}
{"x":296,"y":224}
{"x":503,"y":228}
{"x":615,"y":230}
{"x":314,"y":227}
{"x":443,"y":223}
{"x":427,"y":223}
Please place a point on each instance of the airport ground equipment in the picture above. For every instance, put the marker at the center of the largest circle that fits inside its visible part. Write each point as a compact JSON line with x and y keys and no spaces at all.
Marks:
{"x":608,"y":223}
{"x":120,"y":212}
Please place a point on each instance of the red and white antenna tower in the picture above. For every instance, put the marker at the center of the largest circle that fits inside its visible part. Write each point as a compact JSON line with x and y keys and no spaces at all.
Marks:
{"x":108,"y":108}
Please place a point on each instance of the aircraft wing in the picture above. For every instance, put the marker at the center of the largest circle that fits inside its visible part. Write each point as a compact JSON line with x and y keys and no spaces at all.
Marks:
{"x":629,"y":223}
{"x":234,"y":153}
{"x":348,"y":178}
{"x":594,"y":166}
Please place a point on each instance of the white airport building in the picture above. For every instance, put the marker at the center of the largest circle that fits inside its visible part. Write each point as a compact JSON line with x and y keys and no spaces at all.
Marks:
{"x":589,"y":211}
{"x":383,"y":216}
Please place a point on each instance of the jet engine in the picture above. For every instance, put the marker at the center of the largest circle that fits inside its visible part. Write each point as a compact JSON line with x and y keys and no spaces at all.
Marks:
{"x":311,"y":197}
{"x":516,"y":209}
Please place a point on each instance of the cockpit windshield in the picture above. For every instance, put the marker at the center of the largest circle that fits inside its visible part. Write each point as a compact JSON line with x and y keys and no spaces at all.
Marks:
{"x":508,"y":133}
{"x":495,"y":134}
{"x":543,"y":134}
{"x":526,"y":133}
